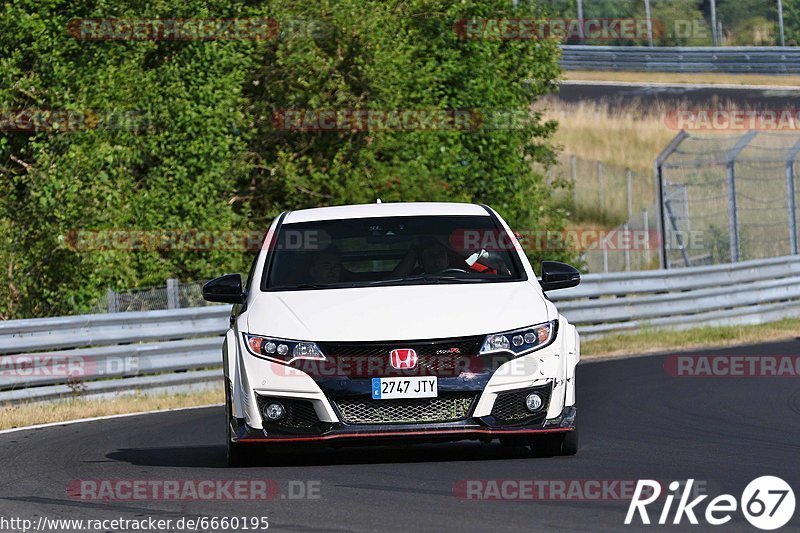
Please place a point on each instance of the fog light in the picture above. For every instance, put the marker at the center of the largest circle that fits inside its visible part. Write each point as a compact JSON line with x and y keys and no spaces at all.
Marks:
{"x":533,"y":402}
{"x":273,"y":411}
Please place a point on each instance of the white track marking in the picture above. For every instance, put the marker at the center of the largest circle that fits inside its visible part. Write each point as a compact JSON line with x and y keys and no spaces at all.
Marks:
{"x":107,"y":417}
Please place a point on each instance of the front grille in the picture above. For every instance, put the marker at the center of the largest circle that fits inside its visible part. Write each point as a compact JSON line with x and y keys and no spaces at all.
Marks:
{"x":444,"y":357}
{"x":300,"y":414}
{"x":448,"y":407}
{"x":509,"y":407}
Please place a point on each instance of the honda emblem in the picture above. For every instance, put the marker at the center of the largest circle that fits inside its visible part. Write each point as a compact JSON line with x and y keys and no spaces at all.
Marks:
{"x":403,"y":358}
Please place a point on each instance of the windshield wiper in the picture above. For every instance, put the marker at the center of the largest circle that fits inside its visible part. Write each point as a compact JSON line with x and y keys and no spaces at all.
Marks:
{"x":428,"y":279}
{"x":306,"y":286}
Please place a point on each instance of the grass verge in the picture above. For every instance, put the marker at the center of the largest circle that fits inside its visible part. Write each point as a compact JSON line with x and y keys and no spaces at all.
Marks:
{"x":678,"y":77}
{"x":28,"y":414}
{"x":654,"y":341}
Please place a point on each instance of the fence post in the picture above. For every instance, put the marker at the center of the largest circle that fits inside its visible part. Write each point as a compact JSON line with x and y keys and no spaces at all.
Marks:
{"x":600,"y":185}
{"x":627,"y":240}
{"x":791,"y":207}
{"x":733,"y":219}
{"x":646,"y":221}
{"x":574,"y":171}
{"x":733,"y":215}
{"x":714,"y":23}
{"x":172,"y":294}
{"x":628,"y":180}
{"x":112,"y":301}
{"x":790,"y":194}
{"x":658,"y":175}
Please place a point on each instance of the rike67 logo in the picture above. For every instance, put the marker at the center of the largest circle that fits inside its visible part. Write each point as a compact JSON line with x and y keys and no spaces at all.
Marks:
{"x":767,"y":503}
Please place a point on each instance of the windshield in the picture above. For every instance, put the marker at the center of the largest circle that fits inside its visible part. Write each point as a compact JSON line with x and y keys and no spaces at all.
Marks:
{"x":407,"y":250}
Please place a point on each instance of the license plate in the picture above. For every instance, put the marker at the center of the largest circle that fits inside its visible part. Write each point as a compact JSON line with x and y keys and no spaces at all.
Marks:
{"x":411,"y":387}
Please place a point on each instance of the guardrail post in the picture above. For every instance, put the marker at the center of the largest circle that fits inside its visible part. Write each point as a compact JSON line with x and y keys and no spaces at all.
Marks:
{"x":172,"y":294}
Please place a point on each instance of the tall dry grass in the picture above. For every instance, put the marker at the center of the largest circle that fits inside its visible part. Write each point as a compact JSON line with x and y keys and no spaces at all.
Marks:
{"x":711,"y":78}
{"x":629,"y":137}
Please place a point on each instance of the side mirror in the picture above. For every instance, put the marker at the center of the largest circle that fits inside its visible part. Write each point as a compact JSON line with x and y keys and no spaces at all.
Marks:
{"x":226,"y":289}
{"x":557,"y":275}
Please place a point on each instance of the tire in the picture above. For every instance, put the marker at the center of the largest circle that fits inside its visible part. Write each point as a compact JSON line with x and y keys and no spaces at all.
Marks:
{"x":552,"y":445}
{"x":236,"y":455}
{"x":569,"y":442}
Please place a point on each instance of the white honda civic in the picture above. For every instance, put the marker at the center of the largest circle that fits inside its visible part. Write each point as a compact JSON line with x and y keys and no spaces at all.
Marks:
{"x":397,"y":322}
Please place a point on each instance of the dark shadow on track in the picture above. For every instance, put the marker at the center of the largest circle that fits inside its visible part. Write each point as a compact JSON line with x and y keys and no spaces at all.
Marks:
{"x":214,"y":456}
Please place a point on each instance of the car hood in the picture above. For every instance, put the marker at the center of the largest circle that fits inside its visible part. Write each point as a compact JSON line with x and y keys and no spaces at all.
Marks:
{"x":405,"y":312}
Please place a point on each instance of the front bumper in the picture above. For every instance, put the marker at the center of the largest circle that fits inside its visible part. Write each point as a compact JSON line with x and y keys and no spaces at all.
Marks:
{"x":347,"y":434}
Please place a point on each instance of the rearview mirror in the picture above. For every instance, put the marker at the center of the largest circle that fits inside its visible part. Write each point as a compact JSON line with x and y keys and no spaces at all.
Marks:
{"x":557,"y":275}
{"x":226,"y":289}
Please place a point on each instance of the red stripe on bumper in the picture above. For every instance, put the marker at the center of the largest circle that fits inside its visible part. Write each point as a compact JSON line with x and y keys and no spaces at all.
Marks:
{"x":434,"y":432}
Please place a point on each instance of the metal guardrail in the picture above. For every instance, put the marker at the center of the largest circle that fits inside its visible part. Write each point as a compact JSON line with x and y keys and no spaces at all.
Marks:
{"x":749,"y":292}
{"x":112,"y":354}
{"x":48,"y":358}
{"x":733,"y":59}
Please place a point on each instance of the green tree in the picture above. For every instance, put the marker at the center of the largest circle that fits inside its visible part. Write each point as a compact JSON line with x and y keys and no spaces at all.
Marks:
{"x":204,"y":151}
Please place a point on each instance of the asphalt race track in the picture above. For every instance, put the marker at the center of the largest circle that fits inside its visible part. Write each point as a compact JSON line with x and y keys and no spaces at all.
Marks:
{"x":626,"y":95}
{"x":636,"y":422}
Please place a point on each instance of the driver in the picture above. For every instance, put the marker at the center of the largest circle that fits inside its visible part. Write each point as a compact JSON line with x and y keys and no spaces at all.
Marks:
{"x":433,"y":256}
{"x":429,"y":256}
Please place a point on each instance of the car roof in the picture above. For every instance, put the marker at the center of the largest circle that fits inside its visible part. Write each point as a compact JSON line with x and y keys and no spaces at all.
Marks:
{"x":398,"y":209}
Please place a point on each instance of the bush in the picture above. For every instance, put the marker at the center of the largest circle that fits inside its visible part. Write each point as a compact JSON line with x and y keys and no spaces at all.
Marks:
{"x":204,"y":152}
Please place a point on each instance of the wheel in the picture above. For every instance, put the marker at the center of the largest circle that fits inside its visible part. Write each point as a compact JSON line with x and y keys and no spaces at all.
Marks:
{"x":235,"y":454}
{"x":559,"y":444}
{"x":238,"y":454}
{"x":569,"y":442}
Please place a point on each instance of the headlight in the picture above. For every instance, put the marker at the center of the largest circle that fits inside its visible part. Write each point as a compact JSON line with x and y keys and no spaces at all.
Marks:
{"x":282,"y":350}
{"x":521,"y":340}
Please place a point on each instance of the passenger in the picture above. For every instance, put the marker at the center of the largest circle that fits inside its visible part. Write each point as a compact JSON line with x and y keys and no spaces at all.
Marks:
{"x":327,"y":267}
